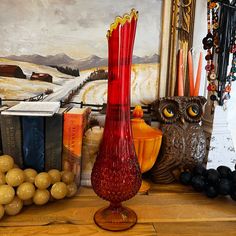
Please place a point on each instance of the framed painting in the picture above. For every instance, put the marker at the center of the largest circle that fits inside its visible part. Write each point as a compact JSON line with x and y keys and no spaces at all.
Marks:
{"x":55,"y":49}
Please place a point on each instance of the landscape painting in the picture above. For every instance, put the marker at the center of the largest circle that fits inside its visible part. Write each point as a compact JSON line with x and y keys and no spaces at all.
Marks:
{"x":53,"y":47}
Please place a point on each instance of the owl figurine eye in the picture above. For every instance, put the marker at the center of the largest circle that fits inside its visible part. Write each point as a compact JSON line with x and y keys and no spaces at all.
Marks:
{"x":193,"y":111}
{"x":169,"y":112}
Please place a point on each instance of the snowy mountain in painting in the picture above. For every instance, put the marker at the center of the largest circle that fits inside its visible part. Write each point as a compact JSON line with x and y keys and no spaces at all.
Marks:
{"x":64,"y":60}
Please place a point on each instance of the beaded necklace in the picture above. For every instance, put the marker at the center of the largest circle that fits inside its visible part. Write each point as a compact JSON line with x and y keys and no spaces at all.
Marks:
{"x":210,"y":43}
{"x":218,"y":88}
{"x":231,"y":76}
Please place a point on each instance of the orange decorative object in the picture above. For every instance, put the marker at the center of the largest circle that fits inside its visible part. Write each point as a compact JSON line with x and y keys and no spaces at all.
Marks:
{"x":228,"y":89}
{"x":198,"y":78}
{"x":147,"y":142}
{"x":190,"y":73}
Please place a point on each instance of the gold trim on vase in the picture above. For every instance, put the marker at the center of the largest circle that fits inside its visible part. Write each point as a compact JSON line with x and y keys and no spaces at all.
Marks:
{"x":122,"y":20}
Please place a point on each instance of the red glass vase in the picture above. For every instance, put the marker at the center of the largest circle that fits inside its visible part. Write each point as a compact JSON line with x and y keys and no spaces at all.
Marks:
{"x":116,"y":175}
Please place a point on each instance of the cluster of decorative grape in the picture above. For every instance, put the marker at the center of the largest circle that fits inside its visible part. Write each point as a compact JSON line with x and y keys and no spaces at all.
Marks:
{"x":221,"y":181}
{"x":20,"y":188}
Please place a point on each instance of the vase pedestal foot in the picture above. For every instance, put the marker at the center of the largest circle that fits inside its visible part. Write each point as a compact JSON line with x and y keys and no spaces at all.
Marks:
{"x":115,"y":218}
{"x":144,"y":187}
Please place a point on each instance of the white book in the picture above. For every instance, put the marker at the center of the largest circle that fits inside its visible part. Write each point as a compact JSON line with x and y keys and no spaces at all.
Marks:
{"x":33,"y":109}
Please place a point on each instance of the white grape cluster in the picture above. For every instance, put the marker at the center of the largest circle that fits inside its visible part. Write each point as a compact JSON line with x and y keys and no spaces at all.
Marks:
{"x":20,"y":188}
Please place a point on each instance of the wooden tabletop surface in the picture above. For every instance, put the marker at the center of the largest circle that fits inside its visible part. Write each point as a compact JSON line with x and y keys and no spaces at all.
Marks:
{"x":166,"y":210}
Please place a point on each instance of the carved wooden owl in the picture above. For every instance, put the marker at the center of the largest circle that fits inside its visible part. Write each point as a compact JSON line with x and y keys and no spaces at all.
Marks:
{"x":184,"y":142}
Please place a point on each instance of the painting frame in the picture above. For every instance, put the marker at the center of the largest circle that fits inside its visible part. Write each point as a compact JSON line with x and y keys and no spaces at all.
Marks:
{"x":177,"y":33}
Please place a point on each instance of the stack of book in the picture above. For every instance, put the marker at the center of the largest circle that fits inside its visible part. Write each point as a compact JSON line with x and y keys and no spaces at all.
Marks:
{"x":43,"y":136}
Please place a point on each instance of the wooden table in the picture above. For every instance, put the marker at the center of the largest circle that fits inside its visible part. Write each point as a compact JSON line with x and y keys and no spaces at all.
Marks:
{"x":166,"y":210}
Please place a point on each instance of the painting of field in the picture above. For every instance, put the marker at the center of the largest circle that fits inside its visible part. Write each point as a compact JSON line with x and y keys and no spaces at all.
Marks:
{"x":20,"y":89}
{"x":65,"y":40}
{"x":143,"y":86}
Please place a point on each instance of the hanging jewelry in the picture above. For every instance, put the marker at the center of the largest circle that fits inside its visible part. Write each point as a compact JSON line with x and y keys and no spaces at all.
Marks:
{"x":232,"y":74}
{"x":210,"y":42}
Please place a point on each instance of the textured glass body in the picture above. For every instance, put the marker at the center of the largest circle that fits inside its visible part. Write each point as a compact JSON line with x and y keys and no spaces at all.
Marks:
{"x":116,"y":174}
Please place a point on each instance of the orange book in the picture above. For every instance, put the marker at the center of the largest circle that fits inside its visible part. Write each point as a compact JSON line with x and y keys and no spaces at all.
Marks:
{"x":75,"y":121}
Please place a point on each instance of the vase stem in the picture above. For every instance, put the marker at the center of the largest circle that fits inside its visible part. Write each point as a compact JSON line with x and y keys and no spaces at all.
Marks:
{"x":115,"y":205}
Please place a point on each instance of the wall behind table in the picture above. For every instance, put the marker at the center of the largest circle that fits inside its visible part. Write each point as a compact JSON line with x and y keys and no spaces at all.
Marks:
{"x":232,"y":113}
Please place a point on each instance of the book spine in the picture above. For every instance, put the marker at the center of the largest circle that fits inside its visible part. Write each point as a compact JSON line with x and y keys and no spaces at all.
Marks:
{"x":33,"y":142}
{"x":72,"y":144}
{"x":11,"y":133}
{"x":53,"y":142}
